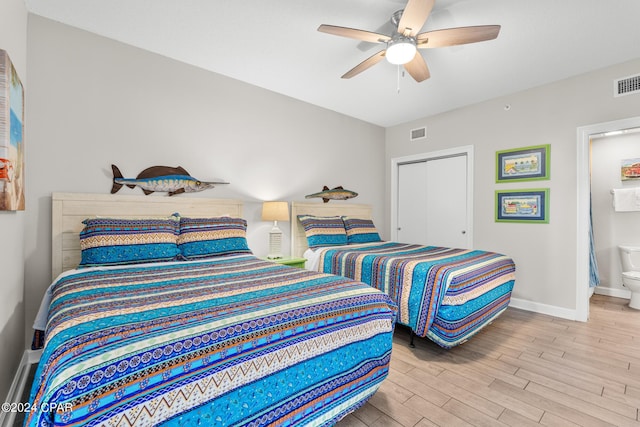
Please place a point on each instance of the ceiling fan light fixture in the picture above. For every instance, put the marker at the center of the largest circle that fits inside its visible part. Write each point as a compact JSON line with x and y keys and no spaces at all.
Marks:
{"x":403,"y":42}
{"x":400,"y":50}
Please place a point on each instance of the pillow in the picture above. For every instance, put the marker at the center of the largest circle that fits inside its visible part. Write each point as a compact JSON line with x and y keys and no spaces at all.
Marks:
{"x":360,"y":230}
{"x":209,"y":237}
{"x":123,"y":241}
{"x":323,"y":230}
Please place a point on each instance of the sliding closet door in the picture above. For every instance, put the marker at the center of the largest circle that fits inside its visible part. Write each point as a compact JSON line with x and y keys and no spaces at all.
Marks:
{"x":446,"y":213}
{"x":412,"y":203}
{"x":432,"y":202}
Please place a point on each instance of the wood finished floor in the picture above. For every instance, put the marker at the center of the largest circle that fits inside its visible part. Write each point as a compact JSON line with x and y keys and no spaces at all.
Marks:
{"x":525,"y":369}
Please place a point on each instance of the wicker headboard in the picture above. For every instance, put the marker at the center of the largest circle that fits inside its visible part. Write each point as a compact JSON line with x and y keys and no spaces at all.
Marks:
{"x":70,"y":209}
{"x":299,"y":239}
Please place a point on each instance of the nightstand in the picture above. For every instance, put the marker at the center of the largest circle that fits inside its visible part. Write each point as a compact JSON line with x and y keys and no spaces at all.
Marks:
{"x":290,"y":261}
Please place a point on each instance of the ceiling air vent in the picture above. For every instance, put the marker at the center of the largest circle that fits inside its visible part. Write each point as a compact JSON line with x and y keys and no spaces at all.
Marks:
{"x":419,"y":133}
{"x":626,"y":85}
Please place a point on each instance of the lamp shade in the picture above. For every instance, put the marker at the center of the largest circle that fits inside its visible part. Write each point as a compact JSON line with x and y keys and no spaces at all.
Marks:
{"x":400,"y":51}
{"x":275,"y":211}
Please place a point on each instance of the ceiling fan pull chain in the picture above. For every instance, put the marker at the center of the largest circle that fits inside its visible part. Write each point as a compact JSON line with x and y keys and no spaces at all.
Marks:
{"x":398,"y":85}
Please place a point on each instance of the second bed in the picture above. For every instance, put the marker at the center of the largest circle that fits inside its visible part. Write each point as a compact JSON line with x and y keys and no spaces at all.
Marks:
{"x":444,"y":294}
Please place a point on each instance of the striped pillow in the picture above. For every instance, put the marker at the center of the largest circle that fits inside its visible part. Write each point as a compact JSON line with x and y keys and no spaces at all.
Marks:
{"x":118,"y":241}
{"x":360,"y":230}
{"x":209,"y":237}
{"x":323,"y":230}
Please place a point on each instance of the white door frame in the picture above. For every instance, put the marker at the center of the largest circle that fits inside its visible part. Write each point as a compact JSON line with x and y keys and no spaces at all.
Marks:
{"x":457,"y":151}
{"x":583,"y":163}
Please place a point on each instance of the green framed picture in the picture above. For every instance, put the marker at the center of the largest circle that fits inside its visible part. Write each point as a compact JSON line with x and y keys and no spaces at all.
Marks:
{"x":530,"y":205}
{"x":523,"y":164}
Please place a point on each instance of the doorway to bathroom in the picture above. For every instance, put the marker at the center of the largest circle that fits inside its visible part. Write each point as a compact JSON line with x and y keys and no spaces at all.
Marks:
{"x":586,"y":135}
{"x":613,"y":226}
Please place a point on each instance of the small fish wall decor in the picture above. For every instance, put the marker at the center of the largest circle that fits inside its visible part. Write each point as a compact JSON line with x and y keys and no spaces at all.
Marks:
{"x":337,"y":193}
{"x":162,"y":179}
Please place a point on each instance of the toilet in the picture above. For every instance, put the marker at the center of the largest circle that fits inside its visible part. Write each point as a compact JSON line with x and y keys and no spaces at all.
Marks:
{"x":631,"y":273}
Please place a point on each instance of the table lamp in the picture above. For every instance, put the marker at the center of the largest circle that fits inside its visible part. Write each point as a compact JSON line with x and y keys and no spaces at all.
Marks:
{"x":275,"y":211}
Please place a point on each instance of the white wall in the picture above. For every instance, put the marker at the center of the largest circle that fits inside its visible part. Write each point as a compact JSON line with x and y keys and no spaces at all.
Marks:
{"x":13,"y":39}
{"x":95,"y":101}
{"x":612,"y":228}
{"x":545,"y":255}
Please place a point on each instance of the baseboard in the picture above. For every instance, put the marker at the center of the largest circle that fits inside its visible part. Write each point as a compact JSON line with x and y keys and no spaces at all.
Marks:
{"x":551,"y":310}
{"x":18,"y":384}
{"x":613,"y":292}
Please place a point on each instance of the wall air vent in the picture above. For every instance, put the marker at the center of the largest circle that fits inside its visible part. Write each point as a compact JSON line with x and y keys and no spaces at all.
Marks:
{"x":626,"y":85}
{"x":419,"y":133}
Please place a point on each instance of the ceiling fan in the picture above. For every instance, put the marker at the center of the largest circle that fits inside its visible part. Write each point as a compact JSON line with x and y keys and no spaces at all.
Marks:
{"x":402,"y":45}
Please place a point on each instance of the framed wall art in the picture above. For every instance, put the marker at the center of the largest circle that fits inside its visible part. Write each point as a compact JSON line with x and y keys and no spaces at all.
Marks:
{"x":523,"y":164}
{"x":629,"y":169}
{"x":11,"y":137}
{"x":530,"y":205}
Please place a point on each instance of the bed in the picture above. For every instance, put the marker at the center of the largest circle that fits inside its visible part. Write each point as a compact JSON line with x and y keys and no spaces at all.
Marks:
{"x":444,"y":294}
{"x":223,"y":338}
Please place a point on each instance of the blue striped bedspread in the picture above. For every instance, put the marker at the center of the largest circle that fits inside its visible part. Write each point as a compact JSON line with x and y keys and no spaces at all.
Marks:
{"x":227,"y":341}
{"x":444,"y":294}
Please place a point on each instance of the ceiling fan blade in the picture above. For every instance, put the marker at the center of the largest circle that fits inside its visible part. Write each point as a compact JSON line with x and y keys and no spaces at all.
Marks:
{"x":414,"y":16}
{"x":387,"y":28}
{"x":353,"y":33}
{"x":418,"y":69}
{"x":457,"y":36}
{"x":367,"y":63}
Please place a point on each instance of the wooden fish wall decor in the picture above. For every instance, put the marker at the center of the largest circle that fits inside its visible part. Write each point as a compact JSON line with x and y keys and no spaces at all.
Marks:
{"x":162,"y":179}
{"x":337,"y":193}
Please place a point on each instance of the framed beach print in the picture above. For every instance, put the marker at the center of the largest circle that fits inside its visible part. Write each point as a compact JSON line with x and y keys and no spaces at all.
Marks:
{"x":530,"y":205}
{"x":523,"y":164}
{"x":11,"y":137}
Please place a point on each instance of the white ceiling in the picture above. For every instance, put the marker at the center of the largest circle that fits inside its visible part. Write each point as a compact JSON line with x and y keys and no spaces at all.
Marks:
{"x":275,"y":44}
